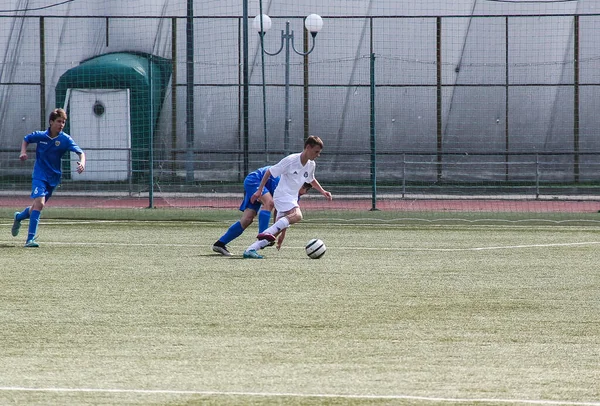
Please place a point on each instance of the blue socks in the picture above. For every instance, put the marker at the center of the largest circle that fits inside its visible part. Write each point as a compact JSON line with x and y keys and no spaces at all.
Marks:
{"x":23,"y":215}
{"x":34,"y":220}
{"x":264,"y":218}
{"x":235,"y":230}
{"x":232,"y":233}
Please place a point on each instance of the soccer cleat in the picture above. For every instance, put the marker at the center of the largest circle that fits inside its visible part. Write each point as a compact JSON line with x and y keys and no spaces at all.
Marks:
{"x":221,"y":249}
{"x":270,"y":244}
{"x":16,"y":225}
{"x":266,"y":236}
{"x":31,"y":244}
{"x":252,"y":254}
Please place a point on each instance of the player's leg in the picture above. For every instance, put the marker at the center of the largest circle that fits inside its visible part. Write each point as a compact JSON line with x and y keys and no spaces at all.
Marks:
{"x":269,"y":235}
{"x":26,"y":213}
{"x":252,"y":250}
{"x":289,"y":217}
{"x":34,"y":220}
{"x":18,"y":217}
{"x":264,"y":218}
{"x":234,"y":231}
{"x":249,"y":211}
{"x":40,"y":193}
{"x":264,"y":215}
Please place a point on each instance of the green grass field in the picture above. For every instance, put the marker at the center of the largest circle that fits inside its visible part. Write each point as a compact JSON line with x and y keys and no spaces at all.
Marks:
{"x":117,"y":312}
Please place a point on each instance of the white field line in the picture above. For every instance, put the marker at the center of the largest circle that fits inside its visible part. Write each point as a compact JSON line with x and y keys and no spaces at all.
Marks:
{"x":298,"y":395}
{"x":510,"y":247}
{"x":490,"y":248}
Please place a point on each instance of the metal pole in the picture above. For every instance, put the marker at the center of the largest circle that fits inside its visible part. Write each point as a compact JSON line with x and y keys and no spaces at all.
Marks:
{"x":189,"y":105}
{"x":403,"y":175}
{"x":372,"y":125}
{"x":151,"y":136}
{"x":286,"y":133}
{"x":576,"y":99}
{"x":246,"y":89}
{"x":286,"y":37}
{"x":373,"y":143}
{"x":305,"y":86}
{"x":537,"y":176}
{"x":173,"y":94}
{"x":43,"y":73}
{"x":506,"y":102}
{"x":439,"y":98}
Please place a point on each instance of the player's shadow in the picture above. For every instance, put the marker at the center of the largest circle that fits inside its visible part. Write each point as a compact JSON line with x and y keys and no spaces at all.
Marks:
{"x":216,"y":255}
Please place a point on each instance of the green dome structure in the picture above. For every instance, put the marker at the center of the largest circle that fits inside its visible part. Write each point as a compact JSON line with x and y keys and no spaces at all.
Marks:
{"x":145,"y":76}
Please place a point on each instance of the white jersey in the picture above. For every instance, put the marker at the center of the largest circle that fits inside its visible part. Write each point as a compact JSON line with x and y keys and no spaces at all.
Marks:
{"x":292,"y":175}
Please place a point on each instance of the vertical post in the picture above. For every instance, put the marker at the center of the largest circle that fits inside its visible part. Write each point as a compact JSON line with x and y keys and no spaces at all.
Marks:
{"x":173,"y":93}
{"x":189,"y":103}
{"x":372,"y":125}
{"x":576,"y":100}
{"x":439,"y":95}
{"x":286,"y":132}
{"x":150,"y":136}
{"x":240,"y":93}
{"x":43,"y":73}
{"x":506,"y":103}
{"x":306,"y":81}
{"x":403,"y":175}
{"x":246,"y":89}
{"x":537,"y":176}
{"x":313,"y":23}
{"x":106,"y":30}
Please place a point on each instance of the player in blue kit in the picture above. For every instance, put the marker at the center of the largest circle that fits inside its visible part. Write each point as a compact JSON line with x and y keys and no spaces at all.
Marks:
{"x":262,"y":206}
{"x":294,"y":170}
{"x":51,"y":145}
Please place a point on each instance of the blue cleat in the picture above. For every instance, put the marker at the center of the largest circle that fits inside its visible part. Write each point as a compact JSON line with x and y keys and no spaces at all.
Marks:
{"x":252,"y":254}
{"x":31,"y":244}
{"x":16,"y":225}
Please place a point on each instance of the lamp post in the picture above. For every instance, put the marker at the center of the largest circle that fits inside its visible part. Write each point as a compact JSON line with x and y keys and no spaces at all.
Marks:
{"x":262,"y":23}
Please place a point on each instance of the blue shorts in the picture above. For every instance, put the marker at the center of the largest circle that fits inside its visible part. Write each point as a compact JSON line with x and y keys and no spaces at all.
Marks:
{"x":250,"y":187}
{"x":41,"y":188}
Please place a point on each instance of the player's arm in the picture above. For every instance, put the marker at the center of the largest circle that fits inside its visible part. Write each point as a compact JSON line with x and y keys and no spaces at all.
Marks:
{"x":315,"y":184}
{"x":81,"y":162}
{"x":23,"y":155}
{"x":263,"y":182}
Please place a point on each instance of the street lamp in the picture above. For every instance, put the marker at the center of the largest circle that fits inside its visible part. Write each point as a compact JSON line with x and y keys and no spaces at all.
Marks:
{"x":262,"y":24}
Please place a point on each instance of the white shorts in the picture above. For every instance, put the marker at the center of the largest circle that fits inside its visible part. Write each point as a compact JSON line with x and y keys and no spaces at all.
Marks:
{"x":284,"y":203}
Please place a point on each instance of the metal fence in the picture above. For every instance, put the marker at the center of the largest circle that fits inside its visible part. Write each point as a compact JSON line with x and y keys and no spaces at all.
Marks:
{"x":465,"y":104}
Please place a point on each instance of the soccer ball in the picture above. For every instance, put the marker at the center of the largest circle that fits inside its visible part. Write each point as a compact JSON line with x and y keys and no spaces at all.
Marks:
{"x":315,"y":248}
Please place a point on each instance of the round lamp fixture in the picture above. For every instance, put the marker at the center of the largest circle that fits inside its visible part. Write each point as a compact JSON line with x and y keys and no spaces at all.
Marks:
{"x":313,"y":23}
{"x":266,"y":23}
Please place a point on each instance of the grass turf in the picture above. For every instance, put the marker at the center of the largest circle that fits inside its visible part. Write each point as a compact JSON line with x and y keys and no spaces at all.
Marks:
{"x":142,"y":312}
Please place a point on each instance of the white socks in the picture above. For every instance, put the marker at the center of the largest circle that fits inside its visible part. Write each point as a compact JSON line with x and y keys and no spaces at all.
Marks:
{"x":278,"y":226}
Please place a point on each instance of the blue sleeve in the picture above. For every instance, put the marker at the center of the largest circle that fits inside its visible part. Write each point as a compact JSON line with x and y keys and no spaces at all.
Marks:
{"x":34,"y":137}
{"x":73,"y":147}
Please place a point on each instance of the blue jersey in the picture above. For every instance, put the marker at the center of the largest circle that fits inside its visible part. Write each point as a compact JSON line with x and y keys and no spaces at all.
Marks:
{"x":251,"y":184}
{"x":48,"y":154}
{"x":255,"y":177}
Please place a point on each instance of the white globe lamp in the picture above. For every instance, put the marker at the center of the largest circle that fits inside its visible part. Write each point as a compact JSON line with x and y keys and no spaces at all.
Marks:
{"x":266,"y":23}
{"x":313,"y":23}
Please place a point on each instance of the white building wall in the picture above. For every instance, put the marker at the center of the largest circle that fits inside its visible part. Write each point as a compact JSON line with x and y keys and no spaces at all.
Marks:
{"x":473,"y":53}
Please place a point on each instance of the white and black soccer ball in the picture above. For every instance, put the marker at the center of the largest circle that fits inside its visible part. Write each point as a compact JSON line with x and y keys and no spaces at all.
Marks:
{"x":315,"y":248}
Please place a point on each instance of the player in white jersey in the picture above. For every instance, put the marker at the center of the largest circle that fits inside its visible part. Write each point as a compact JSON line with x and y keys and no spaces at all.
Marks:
{"x":293,"y":171}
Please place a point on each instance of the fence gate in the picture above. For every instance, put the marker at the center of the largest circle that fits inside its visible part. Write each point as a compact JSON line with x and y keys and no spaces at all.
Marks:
{"x":99,"y":121}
